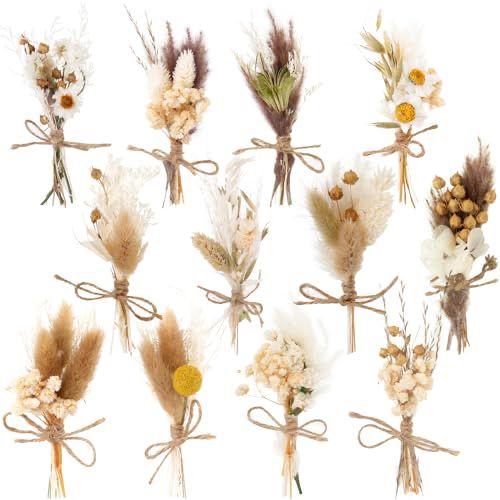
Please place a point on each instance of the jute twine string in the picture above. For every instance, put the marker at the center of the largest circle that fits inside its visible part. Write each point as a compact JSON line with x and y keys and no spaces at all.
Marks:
{"x":55,"y":137}
{"x":458,"y":282}
{"x":176,"y":158}
{"x":180,"y":434}
{"x":283,"y":145}
{"x":315,"y":295}
{"x":290,"y":427}
{"x":236,"y":299}
{"x":55,"y":434}
{"x":133,"y":303}
{"x":405,"y":435}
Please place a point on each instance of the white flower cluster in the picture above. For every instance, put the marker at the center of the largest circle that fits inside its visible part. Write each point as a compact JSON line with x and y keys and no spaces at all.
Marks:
{"x":37,"y":396}
{"x":245,"y":233}
{"x":176,"y":105}
{"x":408,"y":384}
{"x":280,"y":365}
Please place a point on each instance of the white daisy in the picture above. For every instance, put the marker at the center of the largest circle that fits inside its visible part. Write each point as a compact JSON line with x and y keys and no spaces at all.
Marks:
{"x":66,"y":103}
{"x":406,"y":110}
{"x":417,"y":79}
{"x":71,"y":51}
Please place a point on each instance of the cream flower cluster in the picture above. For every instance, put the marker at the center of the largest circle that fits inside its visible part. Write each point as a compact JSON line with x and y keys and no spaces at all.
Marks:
{"x":408,"y":384}
{"x":280,"y":365}
{"x":245,"y":234}
{"x":34,"y":395}
{"x":176,"y":105}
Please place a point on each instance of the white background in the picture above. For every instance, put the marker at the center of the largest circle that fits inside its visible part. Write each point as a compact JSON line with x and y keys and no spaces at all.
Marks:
{"x":460,"y":413}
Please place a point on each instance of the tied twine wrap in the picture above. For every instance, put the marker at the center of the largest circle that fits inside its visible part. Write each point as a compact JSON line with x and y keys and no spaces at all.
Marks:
{"x":132,"y":303}
{"x":180,"y":434}
{"x":284,"y":147}
{"x":402,"y":146}
{"x":55,"y":434}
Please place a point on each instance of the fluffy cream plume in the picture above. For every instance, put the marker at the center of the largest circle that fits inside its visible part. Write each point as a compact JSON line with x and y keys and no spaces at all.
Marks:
{"x":158,"y":82}
{"x":185,"y":70}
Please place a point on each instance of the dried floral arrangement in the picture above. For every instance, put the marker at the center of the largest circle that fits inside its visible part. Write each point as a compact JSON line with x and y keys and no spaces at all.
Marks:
{"x":58,"y":70}
{"x":412,"y":89}
{"x":173,"y":362}
{"x":64,"y":361}
{"x":176,"y":76}
{"x":234,"y":248}
{"x":274,"y":73}
{"x":408,"y":376}
{"x":350,"y":213}
{"x":458,"y":213}
{"x":117,"y":234}
{"x":291,"y":363}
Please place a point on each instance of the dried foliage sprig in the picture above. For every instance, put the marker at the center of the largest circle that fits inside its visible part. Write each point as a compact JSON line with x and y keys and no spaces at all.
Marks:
{"x":349,"y":214}
{"x":174,"y":369}
{"x":234,"y":250}
{"x":58,"y":70}
{"x":117,"y":234}
{"x":291,"y":363}
{"x":176,"y":75}
{"x":275,"y":74}
{"x":458,"y":213}
{"x":64,"y":363}
{"x":407,"y":376}
{"x":412,"y":89}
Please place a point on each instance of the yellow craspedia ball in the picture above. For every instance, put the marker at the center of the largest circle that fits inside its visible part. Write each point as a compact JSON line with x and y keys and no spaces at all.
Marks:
{"x":187,"y":380}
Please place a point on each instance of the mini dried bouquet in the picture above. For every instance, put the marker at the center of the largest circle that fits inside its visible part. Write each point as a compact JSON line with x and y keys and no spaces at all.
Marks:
{"x":412,"y":89}
{"x":119,"y":222}
{"x":290,"y":365}
{"x":234,"y":249}
{"x":275,"y":74}
{"x":58,"y":71}
{"x":350,"y":213}
{"x":173,"y":362}
{"x":458,"y":213}
{"x":176,"y":75}
{"x":64,"y":362}
{"x":408,"y":376}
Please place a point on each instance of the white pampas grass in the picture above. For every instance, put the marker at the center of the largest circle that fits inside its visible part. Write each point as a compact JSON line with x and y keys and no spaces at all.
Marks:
{"x":158,"y":82}
{"x":185,"y":70}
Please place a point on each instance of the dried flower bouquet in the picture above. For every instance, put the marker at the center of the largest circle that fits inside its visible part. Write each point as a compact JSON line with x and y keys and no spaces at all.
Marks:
{"x":58,"y":70}
{"x":350,"y":213}
{"x":64,"y":362}
{"x":275,"y":74}
{"x":412,"y":89}
{"x":458,"y":213}
{"x":407,"y":376}
{"x":176,"y":76}
{"x":173,"y":362}
{"x":291,"y":364}
{"x":117,"y":234}
{"x":234,"y":249}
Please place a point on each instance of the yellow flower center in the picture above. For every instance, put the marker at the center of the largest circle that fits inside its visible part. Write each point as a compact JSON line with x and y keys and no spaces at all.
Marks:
{"x":405,"y":112}
{"x":187,"y":380}
{"x":416,"y":76}
{"x":66,"y":101}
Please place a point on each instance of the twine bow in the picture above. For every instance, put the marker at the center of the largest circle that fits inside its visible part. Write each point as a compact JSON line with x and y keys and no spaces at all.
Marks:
{"x":175,"y":158}
{"x":290,"y":427}
{"x":180,"y":434}
{"x":315,"y":295}
{"x":55,"y":137}
{"x":55,"y":434}
{"x":120,"y":293}
{"x":236,"y":299}
{"x":283,"y":145}
{"x":458,"y":282}
{"x":404,"y":435}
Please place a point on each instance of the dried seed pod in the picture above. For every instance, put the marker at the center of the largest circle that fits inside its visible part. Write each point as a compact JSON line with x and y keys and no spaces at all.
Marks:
{"x":458,"y":192}
{"x":336,"y":193}
{"x":71,"y":78}
{"x":456,"y":179}
{"x":95,"y":215}
{"x":470,"y":222}
{"x":350,"y":177}
{"x":467,"y":206}
{"x":96,"y":174}
{"x":42,"y":83}
{"x":56,"y":73}
{"x":393,"y":349}
{"x":393,"y":331}
{"x":463,"y":235}
{"x":482,"y":217}
{"x":44,"y":120}
{"x":351,"y":214}
{"x":490,"y":196}
{"x":43,"y":48}
{"x":455,"y":221}
{"x":453,"y":206}
{"x":401,"y":359}
{"x":383,"y":353}
{"x":419,"y":350}
{"x":447,"y":197}
{"x":441,"y":208}
{"x":438,"y":182}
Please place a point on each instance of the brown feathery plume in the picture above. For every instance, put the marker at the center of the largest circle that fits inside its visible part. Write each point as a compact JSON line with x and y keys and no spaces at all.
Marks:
{"x":477,"y":176}
{"x":64,"y":365}
{"x":174,"y":381}
{"x":350,"y":215}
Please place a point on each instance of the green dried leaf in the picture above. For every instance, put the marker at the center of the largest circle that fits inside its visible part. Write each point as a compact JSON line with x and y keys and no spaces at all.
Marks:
{"x":379,"y":20}
{"x":386,"y":124}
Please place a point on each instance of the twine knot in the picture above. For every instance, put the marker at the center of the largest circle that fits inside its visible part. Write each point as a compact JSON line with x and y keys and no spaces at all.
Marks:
{"x":406,"y":428}
{"x":121,"y":289}
{"x":54,"y":433}
{"x":56,"y":136}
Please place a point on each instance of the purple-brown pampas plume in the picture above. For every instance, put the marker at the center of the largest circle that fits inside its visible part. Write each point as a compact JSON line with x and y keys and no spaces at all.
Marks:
{"x":458,"y":212}
{"x":176,"y":75}
{"x":275,"y":75}
{"x":64,"y":363}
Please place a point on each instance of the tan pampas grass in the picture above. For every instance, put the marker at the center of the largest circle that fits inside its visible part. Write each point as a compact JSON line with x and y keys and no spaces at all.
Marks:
{"x":65,"y":361}
{"x":349,"y":214}
{"x":175,"y":377}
